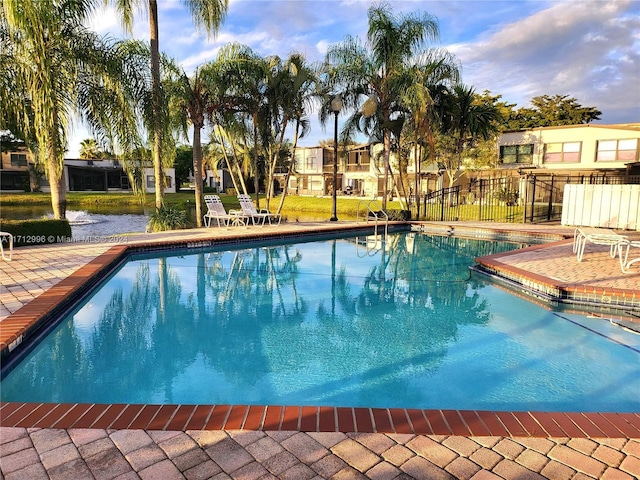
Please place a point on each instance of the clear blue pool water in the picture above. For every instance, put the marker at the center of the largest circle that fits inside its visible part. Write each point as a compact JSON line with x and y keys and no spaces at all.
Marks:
{"x":396,"y":321}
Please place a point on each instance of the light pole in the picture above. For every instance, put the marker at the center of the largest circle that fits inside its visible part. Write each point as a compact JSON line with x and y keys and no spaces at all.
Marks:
{"x":336,"y":106}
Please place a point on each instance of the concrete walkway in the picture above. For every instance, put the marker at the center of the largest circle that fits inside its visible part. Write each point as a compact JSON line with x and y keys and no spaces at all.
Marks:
{"x":78,"y":453}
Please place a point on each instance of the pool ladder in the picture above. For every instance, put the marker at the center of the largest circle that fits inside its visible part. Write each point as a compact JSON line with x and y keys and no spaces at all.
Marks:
{"x":367,"y":207}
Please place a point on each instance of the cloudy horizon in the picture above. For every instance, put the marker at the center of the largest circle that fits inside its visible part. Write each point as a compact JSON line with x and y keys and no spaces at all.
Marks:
{"x":587,"y":50}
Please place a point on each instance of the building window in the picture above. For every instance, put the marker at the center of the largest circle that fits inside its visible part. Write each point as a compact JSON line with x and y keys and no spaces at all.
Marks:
{"x":167,"y":181}
{"x":309,"y":163}
{"x":617,"y":150}
{"x":568,"y":152}
{"x":18,"y":160}
{"x":510,"y":154}
{"x":151,"y":181}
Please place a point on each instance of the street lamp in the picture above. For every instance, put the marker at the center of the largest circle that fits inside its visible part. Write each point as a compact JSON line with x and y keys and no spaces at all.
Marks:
{"x":336,"y":106}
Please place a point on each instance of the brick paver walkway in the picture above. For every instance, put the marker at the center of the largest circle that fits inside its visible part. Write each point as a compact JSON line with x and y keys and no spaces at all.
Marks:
{"x":34,"y":453}
{"x":131,"y":454}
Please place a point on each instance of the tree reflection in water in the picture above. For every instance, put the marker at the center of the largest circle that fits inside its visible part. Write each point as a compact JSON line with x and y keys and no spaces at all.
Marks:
{"x":311,"y":323}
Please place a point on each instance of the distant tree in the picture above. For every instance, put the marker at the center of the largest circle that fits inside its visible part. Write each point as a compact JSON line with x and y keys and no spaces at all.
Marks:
{"x":552,"y":111}
{"x":183,"y":164}
{"x":89,"y":149}
{"x":10,"y":143}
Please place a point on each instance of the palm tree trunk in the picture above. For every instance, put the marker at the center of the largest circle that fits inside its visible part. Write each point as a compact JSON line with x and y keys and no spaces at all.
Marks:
{"x":155,"y":87}
{"x":197,"y":171}
{"x":285,"y":189}
{"x":58,"y":186}
{"x":274,"y":161}
{"x":416,"y":151}
{"x":387,"y":151}
{"x":256,"y":180}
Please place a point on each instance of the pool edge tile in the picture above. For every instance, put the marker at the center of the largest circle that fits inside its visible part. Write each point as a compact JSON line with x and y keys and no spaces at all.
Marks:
{"x":400,"y":420}
{"x":382,"y":421}
{"x":345,"y":419}
{"x":363,"y":420}
{"x":236,"y":417}
{"x":273,"y":418}
{"x":327,"y":419}
{"x":218,"y":417}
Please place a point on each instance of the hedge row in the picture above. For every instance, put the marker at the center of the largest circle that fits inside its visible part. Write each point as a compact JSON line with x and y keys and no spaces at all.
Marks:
{"x":36,"y":232}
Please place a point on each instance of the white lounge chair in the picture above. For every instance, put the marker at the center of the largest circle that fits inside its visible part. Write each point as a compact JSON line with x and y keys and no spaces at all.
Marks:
{"x":217,"y":212}
{"x":597,"y":236}
{"x":9,"y":238}
{"x":625,"y":263}
{"x":257,"y":217}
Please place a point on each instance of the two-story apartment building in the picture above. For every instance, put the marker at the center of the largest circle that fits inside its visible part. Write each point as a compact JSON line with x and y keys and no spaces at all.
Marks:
{"x":312,"y":172}
{"x":14,"y":170}
{"x":360,"y":172}
{"x":589,"y":150}
{"x":585,"y":149}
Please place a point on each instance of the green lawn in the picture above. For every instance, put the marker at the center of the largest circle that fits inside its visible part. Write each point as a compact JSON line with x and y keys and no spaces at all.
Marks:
{"x":345,"y":205}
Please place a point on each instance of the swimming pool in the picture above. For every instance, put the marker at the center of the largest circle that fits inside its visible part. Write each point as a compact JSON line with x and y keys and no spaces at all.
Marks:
{"x":394,"y":321}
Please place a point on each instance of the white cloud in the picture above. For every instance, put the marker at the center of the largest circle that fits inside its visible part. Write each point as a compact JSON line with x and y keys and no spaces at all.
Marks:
{"x":587,"y":50}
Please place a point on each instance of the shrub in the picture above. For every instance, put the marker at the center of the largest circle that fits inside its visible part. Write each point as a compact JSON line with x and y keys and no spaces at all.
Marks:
{"x":34,"y":232}
{"x":506,"y":195}
{"x":167,"y":218}
{"x":399,"y":215}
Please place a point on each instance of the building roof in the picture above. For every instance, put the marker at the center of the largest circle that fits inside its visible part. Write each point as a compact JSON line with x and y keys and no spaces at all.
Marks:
{"x":615,"y":126}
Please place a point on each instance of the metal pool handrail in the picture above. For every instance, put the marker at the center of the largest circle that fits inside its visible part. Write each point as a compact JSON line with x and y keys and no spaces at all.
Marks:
{"x":370,"y":213}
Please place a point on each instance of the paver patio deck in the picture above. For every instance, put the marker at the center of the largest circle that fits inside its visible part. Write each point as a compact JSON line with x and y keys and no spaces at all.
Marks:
{"x":604,"y":447}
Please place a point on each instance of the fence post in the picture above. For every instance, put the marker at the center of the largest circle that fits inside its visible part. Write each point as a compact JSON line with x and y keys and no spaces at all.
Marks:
{"x":481,"y":198}
{"x":442,"y":205}
{"x":551,"y":196}
{"x":533,"y":198}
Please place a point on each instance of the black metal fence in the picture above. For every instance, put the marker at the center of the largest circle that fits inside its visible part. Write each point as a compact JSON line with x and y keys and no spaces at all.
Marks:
{"x":528,"y":198}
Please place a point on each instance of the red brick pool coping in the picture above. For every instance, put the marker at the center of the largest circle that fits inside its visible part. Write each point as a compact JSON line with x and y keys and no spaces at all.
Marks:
{"x":35,"y":315}
{"x":320,"y":419}
{"x":554,"y":289}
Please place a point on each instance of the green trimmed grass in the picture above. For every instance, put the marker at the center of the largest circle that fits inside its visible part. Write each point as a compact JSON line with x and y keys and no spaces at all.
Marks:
{"x":182,"y":200}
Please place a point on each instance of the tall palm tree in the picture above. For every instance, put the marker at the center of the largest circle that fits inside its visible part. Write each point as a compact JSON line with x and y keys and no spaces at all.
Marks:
{"x":468,"y":118}
{"x":57,"y":69}
{"x":424,"y":103}
{"x":378,"y":71}
{"x":247,"y":76}
{"x":206,"y":14}
{"x":194,"y":97}
{"x":299,"y":89}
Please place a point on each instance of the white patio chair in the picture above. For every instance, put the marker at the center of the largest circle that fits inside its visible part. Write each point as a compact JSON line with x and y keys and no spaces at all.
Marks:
{"x":257,"y":217}
{"x":597,"y":236}
{"x":625,"y":263}
{"x":9,"y":238}
{"x":217,"y":212}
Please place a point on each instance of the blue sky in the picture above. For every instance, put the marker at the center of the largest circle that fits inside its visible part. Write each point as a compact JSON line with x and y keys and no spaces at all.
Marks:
{"x":589,"y":50}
